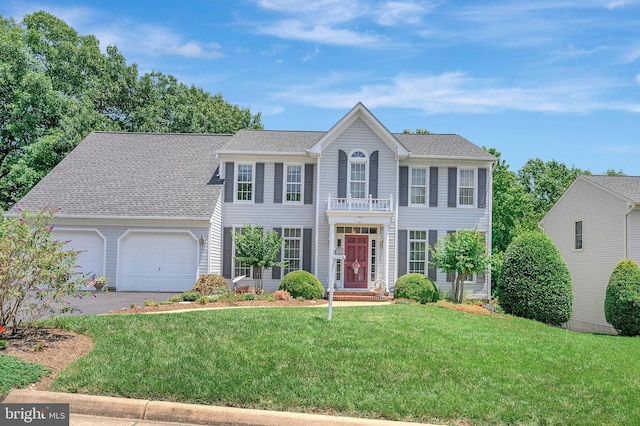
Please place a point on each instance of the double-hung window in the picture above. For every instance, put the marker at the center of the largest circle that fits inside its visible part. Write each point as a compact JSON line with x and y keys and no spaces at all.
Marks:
{"x":418,"y":187}
{"x":418,"y":252}
{"x":467,"y":187}
{"x":358,"y":174}
{"x":292,"y":249}
{"x":294,"y":183}
{"x":244,"y":182}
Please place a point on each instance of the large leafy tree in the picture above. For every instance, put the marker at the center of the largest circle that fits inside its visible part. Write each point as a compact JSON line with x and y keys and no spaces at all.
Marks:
{"x":462,"y":253}
{"x":57,"y":86}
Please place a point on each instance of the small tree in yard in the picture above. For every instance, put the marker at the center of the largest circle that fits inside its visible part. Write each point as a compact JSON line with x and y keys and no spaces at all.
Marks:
{"x":462,"y":253}
{"x":257,"y":249}
{"x":36,"y":272}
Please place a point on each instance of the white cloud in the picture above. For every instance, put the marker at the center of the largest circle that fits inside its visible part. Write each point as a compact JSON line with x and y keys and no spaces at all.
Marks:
{"x":401,"y":12}
{"x":457,"y":92}
{"x":617,"y":3}
{"x":298,"y":30}
{"x":637,"y":78}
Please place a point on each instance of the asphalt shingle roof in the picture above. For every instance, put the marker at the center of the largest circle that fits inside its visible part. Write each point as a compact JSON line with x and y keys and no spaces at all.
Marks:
{"x":627,"y":186}
{"x":134,"y":175}
{"x":437,"y":145}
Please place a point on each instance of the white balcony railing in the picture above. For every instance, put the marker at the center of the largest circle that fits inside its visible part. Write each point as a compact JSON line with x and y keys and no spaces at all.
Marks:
{"x":360,"y":204}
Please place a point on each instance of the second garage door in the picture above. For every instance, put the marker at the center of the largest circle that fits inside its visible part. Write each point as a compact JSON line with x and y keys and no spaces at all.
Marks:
{"x":165,"y":261}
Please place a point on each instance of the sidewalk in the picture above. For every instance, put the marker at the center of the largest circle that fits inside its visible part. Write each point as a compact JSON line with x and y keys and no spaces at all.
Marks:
{"x":88,"y":410}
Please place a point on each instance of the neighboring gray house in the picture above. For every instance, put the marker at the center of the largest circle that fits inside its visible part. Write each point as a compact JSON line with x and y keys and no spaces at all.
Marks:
{"x":595,"y":224}
{"x":154,"y":211}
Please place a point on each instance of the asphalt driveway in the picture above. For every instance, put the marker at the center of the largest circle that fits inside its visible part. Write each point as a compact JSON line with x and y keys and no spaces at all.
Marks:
{"x":101,"y":302}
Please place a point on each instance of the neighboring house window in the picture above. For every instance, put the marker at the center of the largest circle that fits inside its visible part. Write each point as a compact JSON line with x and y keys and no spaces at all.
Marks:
{"x":292,"y":249}
{"x":466,"y":187}
{"x":418,"y":186}
{"x":294,"y":184}
{"x":358,"y":174}
{"x":418,"y":252}
{"x":244,"y":183}
{"x":578,"y":234}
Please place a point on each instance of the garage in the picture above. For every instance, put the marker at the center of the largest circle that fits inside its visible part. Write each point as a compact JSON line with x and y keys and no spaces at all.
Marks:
{"x":157,"y":261}
{"x":90,"y":247}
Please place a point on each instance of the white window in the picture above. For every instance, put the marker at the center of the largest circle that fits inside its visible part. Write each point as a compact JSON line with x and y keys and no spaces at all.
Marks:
{"x":244,"y":182}
{"x":358,"y":174}
{"x":466,"y":187}
{"x":293,"y":184}
{"x":240,"y":268}
{"x":577,"y":235}
{"x":292,"y":249}
{"x":418,"y":252}
{"x":418,"y":187}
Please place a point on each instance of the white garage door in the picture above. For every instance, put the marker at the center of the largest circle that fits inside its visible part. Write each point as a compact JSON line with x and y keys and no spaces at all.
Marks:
{"x":158,"y":261}
{"x":90,"y":246}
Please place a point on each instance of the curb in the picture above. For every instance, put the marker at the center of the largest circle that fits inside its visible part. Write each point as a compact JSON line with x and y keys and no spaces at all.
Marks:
{"x":161,"y":411}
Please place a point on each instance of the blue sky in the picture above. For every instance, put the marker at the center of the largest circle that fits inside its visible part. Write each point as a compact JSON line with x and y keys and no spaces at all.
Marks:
{"x":549,"y":79}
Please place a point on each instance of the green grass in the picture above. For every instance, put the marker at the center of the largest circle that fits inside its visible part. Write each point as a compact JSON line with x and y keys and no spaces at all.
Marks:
{"x":17,"y":373}
{"x":401,"y":362}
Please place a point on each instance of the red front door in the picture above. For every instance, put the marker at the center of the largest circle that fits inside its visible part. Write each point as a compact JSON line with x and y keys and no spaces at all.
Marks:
{"x":357,"y":261}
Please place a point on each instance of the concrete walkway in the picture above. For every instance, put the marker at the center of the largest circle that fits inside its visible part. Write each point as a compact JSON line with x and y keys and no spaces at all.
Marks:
{"x":88,"y":410}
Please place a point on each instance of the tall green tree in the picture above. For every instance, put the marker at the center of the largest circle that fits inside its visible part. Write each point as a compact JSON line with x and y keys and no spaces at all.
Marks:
{"x":546,"y":182}
{"x":462,"y":253}
{"x":57,"y":86}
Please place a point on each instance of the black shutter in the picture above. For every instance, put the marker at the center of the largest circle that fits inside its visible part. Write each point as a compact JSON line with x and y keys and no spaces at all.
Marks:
{"x":433,"y":187}
{"x":373,"y":174}
{"x":450,"y":275}
{"x":259,"y":183}
{"x":306,"y":249}
{"x":404,"y":186}
{"x":481,"y":276}
{"x":276,"y":271}
{"x":342,"y":174}
{"x":308,"y":183}
{"x":227,"y":250}
{"x":402,"y":252}
{"x":229,"y":170}
{"x":482,"y":188}
{"x":452,"y":187}
{"x":433,"y":238}
{"x":277,"y":183}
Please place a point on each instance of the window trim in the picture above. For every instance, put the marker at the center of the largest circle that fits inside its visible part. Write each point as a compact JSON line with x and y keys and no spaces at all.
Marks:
{"x":358,"y":160}
{"x":237,"y":182}
{"x":426,"y":250}
{"x":285,"y":269}
{"x":234,"y":229}
{"x":426,"y":186}
{"x":575,"y":235}
{"x":285,"y":182}
{"x":475,"y":187}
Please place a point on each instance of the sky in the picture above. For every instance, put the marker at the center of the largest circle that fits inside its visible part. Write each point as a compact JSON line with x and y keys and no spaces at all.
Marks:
{"x":549,"y":79}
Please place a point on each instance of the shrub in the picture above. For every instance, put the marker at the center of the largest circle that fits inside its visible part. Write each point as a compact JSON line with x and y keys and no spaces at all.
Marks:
{"x":282,"y":295}
{"x":175,"y":299}
{"x":535,"y":281}
{"x":416,"y":287}
{"x":202,"y":300}
{"x":210,"y":284}
{"x":622,"y":301}
{"x":150,"y":302}
{"x":190,"y":296}
{"x":249,"y":296}
{"x":241,"y":289}
{"x":302,"y":284}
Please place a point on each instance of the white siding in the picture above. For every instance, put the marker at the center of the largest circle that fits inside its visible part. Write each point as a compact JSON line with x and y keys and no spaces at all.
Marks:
{"x":633,"y":235}
{"x":215,"y":242}
{"x":602,"y":215}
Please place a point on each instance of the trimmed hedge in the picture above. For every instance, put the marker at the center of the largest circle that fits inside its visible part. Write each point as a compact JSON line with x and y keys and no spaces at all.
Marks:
{"x":535,"y":281}
{"x":416,"y":287}
{"x":211,"y":284}
{"x":622,"y":301}
{"x":302,"y":284}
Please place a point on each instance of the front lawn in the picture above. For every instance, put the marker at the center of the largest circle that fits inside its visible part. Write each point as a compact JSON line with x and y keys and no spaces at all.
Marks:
{"x":401,"y":362}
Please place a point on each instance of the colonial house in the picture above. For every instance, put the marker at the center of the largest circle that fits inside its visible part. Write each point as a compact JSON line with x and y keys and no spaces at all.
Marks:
{"x":154,"y":211}
{"x":595,"y":224}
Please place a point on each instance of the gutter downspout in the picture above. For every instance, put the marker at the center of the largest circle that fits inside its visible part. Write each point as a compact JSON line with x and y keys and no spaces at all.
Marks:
{"x":630,"y":207}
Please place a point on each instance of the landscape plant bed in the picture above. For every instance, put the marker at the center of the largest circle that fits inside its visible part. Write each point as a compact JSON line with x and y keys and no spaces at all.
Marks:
{"x":400,"y":362}
{"x":163,"y":307}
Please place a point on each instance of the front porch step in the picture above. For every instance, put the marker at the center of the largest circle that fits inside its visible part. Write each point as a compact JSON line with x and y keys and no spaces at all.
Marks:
{"x":356,"y":296}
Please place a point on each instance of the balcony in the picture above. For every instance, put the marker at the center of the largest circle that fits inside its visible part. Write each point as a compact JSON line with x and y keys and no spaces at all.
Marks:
{"x":381,"y":205}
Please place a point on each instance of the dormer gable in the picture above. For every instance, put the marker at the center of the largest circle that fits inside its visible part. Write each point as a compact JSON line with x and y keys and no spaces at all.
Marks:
{"x":360,"y":112}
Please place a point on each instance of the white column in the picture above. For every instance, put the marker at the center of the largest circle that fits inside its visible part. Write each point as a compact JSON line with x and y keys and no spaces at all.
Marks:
{"x":385,"y":236}
{"x":332,"y":251}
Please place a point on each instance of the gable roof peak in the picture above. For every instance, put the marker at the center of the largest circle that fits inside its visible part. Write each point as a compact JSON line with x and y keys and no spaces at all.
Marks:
{"x":360,"y":111}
